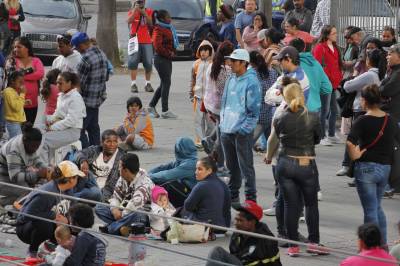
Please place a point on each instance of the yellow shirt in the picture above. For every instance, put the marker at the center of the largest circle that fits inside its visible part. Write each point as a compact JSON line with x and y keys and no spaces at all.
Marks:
{"x":14,"y":105}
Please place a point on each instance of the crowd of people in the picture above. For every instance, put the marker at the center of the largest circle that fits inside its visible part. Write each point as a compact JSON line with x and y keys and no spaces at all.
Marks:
{"x":254,"y":89}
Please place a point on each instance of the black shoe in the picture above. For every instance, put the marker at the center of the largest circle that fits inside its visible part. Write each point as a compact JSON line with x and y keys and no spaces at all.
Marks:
{"x":352,"y":184}
{"x":207,"y":146}
{"x":103,"y":229}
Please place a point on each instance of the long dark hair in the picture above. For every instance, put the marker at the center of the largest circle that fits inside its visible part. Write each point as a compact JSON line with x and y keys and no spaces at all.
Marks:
{"x":263,"y":20}
{"x":51,"y":79}
{"x":27,"y":43}
{"x":224,"y":49}
{"x":274,"y":35}
{"x":159,"y":15}
{"x":325,"y":32}
{"x":378,"y":60}
{"x":70,"y":77}
{"x":12,"y":77}
{"x":258,"y":61}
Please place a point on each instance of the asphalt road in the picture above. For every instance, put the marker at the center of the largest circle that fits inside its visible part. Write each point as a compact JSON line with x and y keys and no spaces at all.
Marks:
{"x":340,"y":210}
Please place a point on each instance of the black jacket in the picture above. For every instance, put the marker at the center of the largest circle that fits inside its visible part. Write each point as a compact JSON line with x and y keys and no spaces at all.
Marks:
{"x":390,"y":90}
{"x":90,"y":155}
{"x":250,"y":250}
{"x":88,"y":250}
{"x":298,"y":132}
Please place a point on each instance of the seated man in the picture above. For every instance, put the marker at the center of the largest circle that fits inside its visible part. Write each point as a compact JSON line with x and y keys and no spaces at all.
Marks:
{"x":132,"y":192}
{"x":136,"y":131}
{"x":89,"y":249}
{"x":248,"y":250}
{"x":101,"y":163}
{"x":178,"y":177}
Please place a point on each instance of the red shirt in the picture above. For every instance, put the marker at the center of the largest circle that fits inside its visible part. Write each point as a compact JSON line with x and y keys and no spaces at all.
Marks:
{"x":143,"y":31}
{"x":51,"y":102}
{"x":330,"y":62}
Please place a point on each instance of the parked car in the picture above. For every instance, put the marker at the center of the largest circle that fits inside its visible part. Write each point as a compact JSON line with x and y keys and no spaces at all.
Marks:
{"x":45,"y":19}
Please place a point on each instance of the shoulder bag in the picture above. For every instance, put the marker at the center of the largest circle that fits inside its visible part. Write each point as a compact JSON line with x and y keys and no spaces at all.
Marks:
{"x":133,"y":43}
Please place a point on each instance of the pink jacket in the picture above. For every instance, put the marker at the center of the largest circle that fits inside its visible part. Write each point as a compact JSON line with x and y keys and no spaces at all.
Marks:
{"x":250,"y":39}
{"x":51,"y":102}
{"x":374,"y":252}
{"x":32,"y":81}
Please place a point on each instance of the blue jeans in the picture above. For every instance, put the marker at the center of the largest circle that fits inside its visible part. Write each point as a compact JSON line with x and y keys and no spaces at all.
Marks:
{"x":371,"y":179}
{"x":13,"y":129}
{"x":238,"y":152}
{"x":104,"y":213}
{"x":87,"y":188}
{"x":91,"y":125}
{"x":295,"y":181}
{"x":329,"y":110}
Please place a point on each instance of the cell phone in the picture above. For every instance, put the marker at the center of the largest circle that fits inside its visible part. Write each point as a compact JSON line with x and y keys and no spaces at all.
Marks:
{"x":28,"y":71}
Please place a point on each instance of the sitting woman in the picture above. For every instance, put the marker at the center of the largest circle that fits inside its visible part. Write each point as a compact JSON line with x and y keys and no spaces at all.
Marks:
{"x":33,"y":231}
{"x":20,"y":164}
{"x":177,"y":177}
{"x":369,"y":245}
{"x":136,"y":132}
{"x":210,"y":199}
{"x":293,"y":32}
{"x":64,"y":126}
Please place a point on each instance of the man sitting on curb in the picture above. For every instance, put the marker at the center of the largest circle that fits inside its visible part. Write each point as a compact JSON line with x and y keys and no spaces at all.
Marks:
{"x":248,"y":250}
{"x":102,"y":161}
{"x":132,"y":192}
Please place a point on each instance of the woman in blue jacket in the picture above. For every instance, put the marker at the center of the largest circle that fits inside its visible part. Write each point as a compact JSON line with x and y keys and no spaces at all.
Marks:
{"x":177,"y":177}
{"x":210,"y":199}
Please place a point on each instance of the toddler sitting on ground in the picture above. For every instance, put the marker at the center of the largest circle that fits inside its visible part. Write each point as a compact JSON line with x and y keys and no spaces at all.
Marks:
{"x":160,"y":205}
{"x":63,"y":250}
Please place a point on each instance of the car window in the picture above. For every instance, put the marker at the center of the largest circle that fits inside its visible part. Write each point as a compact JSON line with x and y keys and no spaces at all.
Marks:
{"x":178,"y":9}
{"x":50,"y":8}
{"x":380,"y":8}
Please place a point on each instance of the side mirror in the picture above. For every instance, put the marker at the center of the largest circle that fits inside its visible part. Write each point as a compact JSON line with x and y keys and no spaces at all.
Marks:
{"x":86,"y":17}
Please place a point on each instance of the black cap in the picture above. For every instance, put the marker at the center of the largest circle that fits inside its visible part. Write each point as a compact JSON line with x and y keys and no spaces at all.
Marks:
{"x":288,"y":51}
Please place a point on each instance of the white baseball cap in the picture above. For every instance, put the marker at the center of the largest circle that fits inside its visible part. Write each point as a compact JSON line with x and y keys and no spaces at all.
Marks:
{"x":239,"y":54}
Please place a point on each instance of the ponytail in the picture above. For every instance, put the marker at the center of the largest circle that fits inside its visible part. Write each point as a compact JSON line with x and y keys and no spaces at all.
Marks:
{"x":294,"y":96}
{"x":51,"y":79}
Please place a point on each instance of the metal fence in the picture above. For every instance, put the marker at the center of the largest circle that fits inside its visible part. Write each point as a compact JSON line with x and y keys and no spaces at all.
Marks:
{"x":370,"y":15}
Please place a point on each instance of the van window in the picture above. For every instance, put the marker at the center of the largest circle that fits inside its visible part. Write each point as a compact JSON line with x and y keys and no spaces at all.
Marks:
{"x":50,"y":8}
{"x":178,"y":9}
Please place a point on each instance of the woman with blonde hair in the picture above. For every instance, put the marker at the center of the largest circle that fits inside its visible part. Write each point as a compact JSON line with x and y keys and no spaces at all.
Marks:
{"x":12,"y":12}
{"x":298,"y":131}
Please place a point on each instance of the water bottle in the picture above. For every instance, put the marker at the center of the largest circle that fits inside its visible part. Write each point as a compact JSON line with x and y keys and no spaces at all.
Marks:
{"x":137,"y":251}
{"x":8,"y":243}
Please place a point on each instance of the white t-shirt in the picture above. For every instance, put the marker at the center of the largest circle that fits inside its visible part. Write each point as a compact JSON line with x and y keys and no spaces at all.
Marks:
{"x":102,"y":169}
{"x":69,"y":63}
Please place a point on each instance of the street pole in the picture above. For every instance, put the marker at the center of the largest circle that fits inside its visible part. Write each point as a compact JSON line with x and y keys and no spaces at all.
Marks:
{"x":266,"y":7}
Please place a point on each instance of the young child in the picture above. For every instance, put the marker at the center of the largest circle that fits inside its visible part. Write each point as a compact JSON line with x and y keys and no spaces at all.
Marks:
{"x":49,"y":92}
{"x":63,"y":250}
{"x":136,"y":131}
{"x":197,"y":88}
{"x":160,"y":205}
{"x":14,"y":101}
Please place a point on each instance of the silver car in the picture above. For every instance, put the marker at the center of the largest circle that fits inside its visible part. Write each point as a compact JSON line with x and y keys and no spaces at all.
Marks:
{"x":45,"y":19}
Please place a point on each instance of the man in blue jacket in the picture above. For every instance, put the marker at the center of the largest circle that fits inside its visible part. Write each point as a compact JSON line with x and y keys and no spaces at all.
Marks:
{"x":240,"y":109}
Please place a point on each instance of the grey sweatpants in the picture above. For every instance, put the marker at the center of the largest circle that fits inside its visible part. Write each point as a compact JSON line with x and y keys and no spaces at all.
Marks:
{"x":220,"y":254}
{"x":53,"y":140}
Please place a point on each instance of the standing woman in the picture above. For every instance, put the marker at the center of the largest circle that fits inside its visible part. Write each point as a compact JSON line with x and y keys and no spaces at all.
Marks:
{"x":293,"y":32}
{"x":165,"y":42}
{"x":267,"y":78}
{"x":24,"y":60}
{"x":250,"y":32}
{"x":370,"y":144}
{"x":13,"y":12}
{"x":328,"y":55}
{"x":298,"y":132}
{"x":64,"y":126}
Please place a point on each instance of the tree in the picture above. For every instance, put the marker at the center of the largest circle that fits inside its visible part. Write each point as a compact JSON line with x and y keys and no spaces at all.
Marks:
{"x":266,"y":7}
{"x":106,"y":33}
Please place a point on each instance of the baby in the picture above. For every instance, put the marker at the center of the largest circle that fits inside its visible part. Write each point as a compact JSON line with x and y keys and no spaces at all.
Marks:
{"x":63,"y":250}
{"x":160,"y":205}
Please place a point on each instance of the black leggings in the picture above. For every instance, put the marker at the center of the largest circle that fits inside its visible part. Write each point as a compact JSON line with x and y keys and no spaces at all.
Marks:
{"x":164,"y":69}
{"x":30,"y":114}
{"x":35,"y":232}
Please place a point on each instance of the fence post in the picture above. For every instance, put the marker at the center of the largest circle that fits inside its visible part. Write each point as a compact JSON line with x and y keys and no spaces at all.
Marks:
{"x":334,"y":12}
{"x":266,"y":7}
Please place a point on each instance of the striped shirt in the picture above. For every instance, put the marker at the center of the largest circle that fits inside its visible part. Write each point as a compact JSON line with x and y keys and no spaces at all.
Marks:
{"x":321,"y":17}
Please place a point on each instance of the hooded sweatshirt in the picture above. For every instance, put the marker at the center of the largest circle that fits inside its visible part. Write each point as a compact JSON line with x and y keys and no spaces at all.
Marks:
{"x":182,"y":169}
{"x":240,"y":107}
{"x":319,"y":81}
{"x":199,"y":70}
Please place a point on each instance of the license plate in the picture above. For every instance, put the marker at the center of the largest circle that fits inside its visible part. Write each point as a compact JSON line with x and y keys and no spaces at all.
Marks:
{"x":44,"y":45}
{"x":181,"y":47}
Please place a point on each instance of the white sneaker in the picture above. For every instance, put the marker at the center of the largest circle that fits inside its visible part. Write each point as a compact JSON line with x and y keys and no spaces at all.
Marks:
{"x":325,"y":142}
{"x":269,"y":212}
{"x":343,"y":171}
{"x":335,"y":140}
{"x":319,"y":196}
{"x":168,"y":115}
